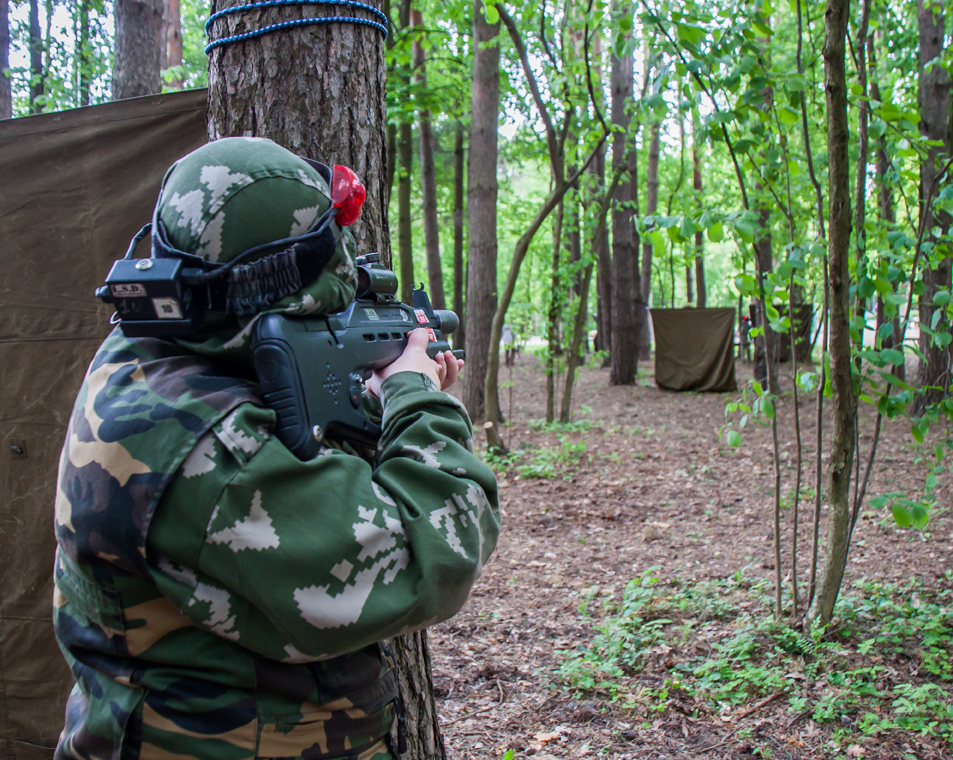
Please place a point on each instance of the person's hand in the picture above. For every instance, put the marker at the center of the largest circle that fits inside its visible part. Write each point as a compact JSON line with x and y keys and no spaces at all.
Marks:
{"x":443,"y":369}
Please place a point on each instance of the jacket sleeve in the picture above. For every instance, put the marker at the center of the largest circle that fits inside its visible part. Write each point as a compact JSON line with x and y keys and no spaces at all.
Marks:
{"x":300,"y":561}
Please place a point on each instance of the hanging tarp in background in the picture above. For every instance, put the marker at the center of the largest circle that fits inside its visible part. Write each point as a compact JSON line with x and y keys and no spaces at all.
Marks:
{"x":74,"y":188}
{"x":694,"y":349}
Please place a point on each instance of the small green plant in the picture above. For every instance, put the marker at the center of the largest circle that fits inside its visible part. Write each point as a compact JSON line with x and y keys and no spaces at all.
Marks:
{"x":723,"y":647}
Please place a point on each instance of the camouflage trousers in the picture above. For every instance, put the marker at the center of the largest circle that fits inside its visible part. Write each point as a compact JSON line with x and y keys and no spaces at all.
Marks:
{"x":378,"y":751}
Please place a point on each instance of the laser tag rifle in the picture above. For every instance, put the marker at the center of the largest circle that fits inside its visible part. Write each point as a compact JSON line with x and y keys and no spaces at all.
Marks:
{"x":312,"y":369}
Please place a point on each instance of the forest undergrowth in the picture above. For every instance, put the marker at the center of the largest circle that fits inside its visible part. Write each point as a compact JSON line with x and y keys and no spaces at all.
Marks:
{"x":628,"y":612}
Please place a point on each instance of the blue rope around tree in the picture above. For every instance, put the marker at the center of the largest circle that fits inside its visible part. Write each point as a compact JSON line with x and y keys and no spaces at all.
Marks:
{"x":381,"y":27}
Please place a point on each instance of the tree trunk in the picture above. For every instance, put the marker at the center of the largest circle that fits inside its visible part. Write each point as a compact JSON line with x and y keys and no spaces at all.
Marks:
{"x":885,"y":205}
{"x":6,"y":91}
{"x":319,"y":91}
{"x":624,"y":250}
{"x":555,"y":302}
{"x":412,"y":656}
{"x":405,"y":160}
{"x":138,"y":46}
{"x":689,"y":284}
{"x":699,"y":235}
{"x":604,"y":259}
{"x":651,"y":206}
{"x":459,"y":273}
{"x":83,"y":63}
{"x":390,"y":151}
{"x":36,"y":57}
{"x":838,"y":246}
{"x":481,"y":207}
{"x":428,"y":177}
{"x":934,"y":373}
{"x":405,"y":240}
{"x":172,"y":23}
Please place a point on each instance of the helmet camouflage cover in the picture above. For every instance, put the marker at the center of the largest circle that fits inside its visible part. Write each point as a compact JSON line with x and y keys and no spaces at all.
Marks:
{"x":240,"y":192}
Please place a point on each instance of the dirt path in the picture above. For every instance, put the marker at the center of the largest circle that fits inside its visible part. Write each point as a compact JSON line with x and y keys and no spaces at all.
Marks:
{"x":652,"y":486}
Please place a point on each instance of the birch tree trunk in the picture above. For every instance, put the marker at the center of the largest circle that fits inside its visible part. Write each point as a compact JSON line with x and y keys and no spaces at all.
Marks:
{"x":428,"y":177}
{"x":838,"y":246}
{"x":138,"y":48}
{"x":319,"y":91}
{"x":481,"y":207}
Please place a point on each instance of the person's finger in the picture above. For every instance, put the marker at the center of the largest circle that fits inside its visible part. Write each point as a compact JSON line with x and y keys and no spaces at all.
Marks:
{"x":442,"y":370}
{"x":418,"y":339}
{"x":452,"y":369}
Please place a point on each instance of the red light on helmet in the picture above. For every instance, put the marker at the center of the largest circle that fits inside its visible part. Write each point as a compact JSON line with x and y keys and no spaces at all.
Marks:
{"x":347,"y":195}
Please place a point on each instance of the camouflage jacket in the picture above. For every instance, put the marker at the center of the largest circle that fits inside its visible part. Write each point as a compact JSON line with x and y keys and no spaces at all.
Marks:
{"x":218,"y":598}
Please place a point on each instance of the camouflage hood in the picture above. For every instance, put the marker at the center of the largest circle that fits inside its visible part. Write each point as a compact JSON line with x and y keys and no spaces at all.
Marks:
{"x":239,"y":192}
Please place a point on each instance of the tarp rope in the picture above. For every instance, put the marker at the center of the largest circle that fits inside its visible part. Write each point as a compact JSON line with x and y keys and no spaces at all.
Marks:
{"x":381,"y":26}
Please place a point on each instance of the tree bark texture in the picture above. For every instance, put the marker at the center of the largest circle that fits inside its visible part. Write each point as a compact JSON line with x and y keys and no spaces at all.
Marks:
{"x":885,"y":203}
{"x":85,"y":78}
{"x":428,"y":177}
{"x":481,"y":207}
{"x":405,"y":171}
{"x":412,"y":655}
{"x":651,"y":206}
{"x":36,"y":57}
{"x":405,"y":239}
{"x":6,"y":91}
{"x":934,"y":375}
{"x":319,"y":91}
{"x":624,"y":250}
{"x":172,"y":25}
{"x":138,"y":48}
{"x":604,"y":262}
{"x":699,"y":235}
{"x":552,"y":318}
{"x":459,"y":273}
{"x":838,"y":246}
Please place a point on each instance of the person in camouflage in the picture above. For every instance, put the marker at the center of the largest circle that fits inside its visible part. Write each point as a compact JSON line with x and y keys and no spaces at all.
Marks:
{"x":215,"y":596}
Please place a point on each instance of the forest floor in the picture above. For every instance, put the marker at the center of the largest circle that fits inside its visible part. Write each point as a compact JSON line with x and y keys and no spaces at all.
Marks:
{"x":640,"y":486}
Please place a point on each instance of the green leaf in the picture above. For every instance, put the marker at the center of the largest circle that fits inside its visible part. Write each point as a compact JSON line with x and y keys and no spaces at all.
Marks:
{"x":690,"y":34}
{"x":941,"y":297}
{"x":734,"y":438}
{"x":768,"y":407}
{"x":492,"y":14}
{"x":892,"y":356}
{"x":760,"y":27}
{"x":901,"y":515}
{"x":942,"y":339}
{"x":716,"y":233}
{"x":917,"y":433}
{"x":687,"y":228}
{"x":921,"y":517}
{"x":788,"y":116}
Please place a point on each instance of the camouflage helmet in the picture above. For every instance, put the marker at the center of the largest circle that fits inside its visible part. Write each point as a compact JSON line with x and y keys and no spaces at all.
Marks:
{"x":238,"y":193}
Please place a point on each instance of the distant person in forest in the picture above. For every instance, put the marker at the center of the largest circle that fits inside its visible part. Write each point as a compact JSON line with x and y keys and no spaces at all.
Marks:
{"x":744,"y":335}
{"x":509,"y":345}
{"x":216,"y":597}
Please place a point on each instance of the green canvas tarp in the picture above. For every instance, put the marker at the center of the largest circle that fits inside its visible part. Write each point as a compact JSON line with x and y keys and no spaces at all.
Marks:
{"x":75,"y":187}
{"x":694,"y":349}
